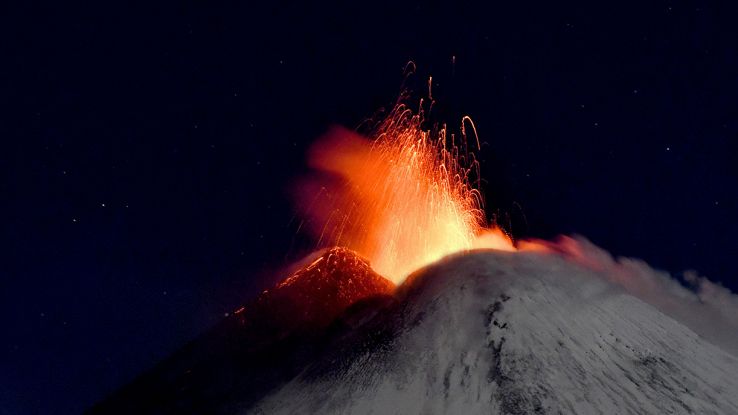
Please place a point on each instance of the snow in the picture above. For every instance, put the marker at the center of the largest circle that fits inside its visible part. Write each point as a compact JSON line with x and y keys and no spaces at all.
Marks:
{"x":514,"y":333}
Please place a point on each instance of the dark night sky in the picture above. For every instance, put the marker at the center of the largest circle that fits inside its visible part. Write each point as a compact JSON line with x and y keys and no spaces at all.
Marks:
{"x":146,"y":152}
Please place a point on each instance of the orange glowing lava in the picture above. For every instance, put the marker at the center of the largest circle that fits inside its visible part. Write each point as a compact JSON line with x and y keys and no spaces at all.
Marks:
{"x":404,"y":197}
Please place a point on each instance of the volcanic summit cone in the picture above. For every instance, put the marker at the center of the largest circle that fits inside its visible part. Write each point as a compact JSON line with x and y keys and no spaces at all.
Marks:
{"x":524,"y":333}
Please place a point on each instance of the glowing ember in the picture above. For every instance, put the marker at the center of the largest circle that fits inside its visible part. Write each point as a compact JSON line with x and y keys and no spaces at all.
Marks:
{"x":405,"y":198}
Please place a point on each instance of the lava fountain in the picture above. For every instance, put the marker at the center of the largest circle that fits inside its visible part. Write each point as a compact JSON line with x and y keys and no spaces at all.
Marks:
{"x":403,"y":197}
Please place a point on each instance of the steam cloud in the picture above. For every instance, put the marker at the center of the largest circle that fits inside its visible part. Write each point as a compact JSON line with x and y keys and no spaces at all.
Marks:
{"x":708,"y":308}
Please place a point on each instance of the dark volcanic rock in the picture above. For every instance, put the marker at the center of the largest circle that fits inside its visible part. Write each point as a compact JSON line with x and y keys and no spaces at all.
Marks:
{"x":261,"y":345}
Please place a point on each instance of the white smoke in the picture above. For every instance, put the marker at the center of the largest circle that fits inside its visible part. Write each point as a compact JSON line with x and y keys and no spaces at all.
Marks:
{"x":708,"y":308}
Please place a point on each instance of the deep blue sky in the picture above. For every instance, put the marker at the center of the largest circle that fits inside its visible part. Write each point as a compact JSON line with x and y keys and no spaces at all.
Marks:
{"x":146,"y":152}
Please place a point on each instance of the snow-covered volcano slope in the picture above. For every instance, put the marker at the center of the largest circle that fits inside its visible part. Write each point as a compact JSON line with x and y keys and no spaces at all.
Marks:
{"x":501,"y":333}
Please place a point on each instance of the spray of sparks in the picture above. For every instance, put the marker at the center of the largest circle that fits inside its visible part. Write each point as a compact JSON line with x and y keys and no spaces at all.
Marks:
{"x":405,"y":196}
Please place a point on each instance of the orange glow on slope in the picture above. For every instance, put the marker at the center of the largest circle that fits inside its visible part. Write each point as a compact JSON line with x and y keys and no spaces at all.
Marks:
{"x":404,"y":198}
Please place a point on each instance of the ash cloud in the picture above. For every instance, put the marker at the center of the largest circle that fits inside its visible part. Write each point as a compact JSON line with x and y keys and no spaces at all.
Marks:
{"x":706,"y":307}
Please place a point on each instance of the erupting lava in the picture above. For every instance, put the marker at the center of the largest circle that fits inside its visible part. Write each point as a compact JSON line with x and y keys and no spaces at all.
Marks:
{"x":405,"y":197}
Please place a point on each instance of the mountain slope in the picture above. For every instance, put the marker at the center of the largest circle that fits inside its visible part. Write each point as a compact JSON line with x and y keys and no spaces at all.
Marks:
{"x":261,"y":345}
{"x":492,"y":332}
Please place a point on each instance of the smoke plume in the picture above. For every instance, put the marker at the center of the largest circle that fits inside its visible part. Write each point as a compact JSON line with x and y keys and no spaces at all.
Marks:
{"x":706,"y":307}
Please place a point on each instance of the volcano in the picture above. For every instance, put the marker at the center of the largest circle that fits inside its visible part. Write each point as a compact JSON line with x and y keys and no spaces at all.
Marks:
{"x":478,"y":332}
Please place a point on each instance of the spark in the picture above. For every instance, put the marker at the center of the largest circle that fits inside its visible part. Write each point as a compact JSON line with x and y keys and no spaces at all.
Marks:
{"x":407,"y":195}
